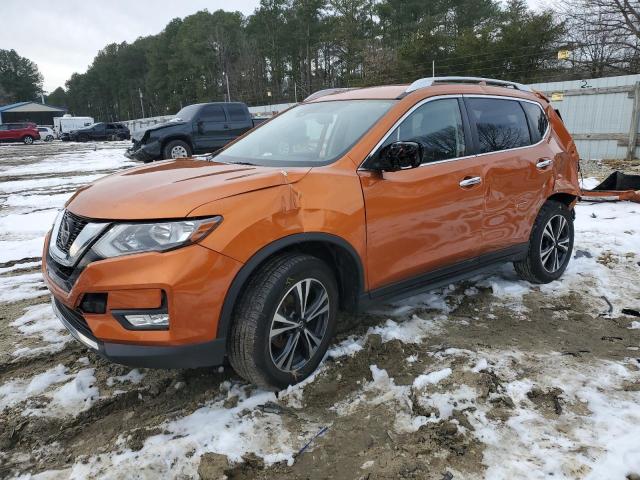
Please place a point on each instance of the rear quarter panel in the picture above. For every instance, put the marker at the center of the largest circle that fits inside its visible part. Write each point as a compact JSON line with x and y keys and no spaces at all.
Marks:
{"x":567,"y":159}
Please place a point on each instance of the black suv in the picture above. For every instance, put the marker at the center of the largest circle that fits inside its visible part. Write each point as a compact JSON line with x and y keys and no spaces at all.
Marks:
{"x":101,"y":131}
{"x":198,"y":128}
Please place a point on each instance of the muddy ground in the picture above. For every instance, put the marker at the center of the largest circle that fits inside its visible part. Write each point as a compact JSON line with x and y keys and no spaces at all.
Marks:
{"x":522,"y":376}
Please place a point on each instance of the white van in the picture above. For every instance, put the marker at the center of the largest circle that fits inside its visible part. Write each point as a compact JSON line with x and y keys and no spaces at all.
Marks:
{"x":65,"y":124}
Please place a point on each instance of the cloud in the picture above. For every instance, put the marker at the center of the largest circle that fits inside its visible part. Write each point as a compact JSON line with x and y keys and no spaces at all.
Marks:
{"x":63,"y":37}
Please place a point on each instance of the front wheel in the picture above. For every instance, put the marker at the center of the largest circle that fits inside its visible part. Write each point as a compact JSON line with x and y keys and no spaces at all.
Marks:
{"x":284,"y":321}
{"x":550,"y":245}
{"x":49,"y":138}
{"x":176,"y":149}
{"x":28,"y":140}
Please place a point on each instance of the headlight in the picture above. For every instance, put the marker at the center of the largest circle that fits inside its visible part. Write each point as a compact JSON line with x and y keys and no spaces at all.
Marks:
{"x":126,"y":238}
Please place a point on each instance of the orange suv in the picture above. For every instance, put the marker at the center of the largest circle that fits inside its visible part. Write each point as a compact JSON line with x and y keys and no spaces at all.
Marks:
{"x":354,"y":196}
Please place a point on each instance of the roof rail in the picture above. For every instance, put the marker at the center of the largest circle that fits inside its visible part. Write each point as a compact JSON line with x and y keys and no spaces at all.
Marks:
{"x":325,"y":92}
{"x":428,"y":82}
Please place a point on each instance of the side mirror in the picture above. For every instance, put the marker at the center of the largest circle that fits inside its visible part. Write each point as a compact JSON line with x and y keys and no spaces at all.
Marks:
{"x":399,"y":156}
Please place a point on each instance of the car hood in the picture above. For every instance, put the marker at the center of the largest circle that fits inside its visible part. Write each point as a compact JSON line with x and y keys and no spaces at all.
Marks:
{"x":172,"y":189}
{"x":159,"y":126}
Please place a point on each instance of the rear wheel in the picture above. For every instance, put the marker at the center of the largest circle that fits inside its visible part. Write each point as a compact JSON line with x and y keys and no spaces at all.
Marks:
{"x":284,"y":321}
{"x":176,"y":149}
{"x":550,"y":245}
{"x":28,"y":140}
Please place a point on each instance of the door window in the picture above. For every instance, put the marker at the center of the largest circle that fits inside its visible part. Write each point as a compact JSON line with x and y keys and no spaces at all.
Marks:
{"x":213,"y":113}
{"x":501,"y":124}
{"x":237,"y":113}
{"x":437,"y":126}
{"x":537,"y":120}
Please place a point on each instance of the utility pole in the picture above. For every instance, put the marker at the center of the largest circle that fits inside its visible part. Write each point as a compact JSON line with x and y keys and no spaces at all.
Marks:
{"x":295,"y":91}
{"x":433,"y":68}
{"x":227,"y":80}
{"x":141,"y":102}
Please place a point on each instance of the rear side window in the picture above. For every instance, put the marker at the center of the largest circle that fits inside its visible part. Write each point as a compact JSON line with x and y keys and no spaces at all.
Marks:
{"x":212,"y":113}
{"x":537,"y":120}
{"x":236,"y":113}
{"x":437,"y":126}
{"x":501,"y":124}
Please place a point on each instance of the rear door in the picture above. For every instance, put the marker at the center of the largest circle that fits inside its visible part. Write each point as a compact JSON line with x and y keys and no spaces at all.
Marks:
{"x":211,"y":129}
{"x":424,"y":218}
{"x":110,"y":131}
{"x":518,"y":166}
{"x":239,"y":120}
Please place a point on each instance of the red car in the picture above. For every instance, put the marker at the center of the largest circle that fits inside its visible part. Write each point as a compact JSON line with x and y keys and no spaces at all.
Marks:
{"x":19,"y":132}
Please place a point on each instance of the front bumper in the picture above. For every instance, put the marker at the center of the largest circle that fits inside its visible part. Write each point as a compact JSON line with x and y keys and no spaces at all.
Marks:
{"x":145,"y":356}
{"x":192,"y":280}
{"x":144,"y":153}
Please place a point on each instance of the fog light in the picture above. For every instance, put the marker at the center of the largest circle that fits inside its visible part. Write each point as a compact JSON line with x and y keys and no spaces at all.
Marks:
{"x":148,"y":320}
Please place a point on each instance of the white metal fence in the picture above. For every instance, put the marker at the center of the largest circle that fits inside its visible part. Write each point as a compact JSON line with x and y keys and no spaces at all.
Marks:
{"x":600,"y":113}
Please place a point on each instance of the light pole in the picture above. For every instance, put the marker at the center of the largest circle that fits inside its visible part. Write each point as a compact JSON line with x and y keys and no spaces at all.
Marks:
{"x":226,"y":77}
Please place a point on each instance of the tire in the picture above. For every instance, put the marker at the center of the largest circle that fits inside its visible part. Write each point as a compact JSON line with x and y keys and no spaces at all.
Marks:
{"x":261,"y":357}
{"x":176,"y":149}
{"x":49,"y":138}
{"x":550,"y":245}
{"x":27,"y":139}
{"x":83,"y":138}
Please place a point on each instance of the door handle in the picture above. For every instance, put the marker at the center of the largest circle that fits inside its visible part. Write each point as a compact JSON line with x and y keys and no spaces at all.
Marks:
{"x":543,"y":163}
{"x":470,"y":181}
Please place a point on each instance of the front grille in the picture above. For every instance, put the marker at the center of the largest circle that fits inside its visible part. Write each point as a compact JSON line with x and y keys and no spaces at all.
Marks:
{"x":70,"y":227}
{"x":76,"y":319}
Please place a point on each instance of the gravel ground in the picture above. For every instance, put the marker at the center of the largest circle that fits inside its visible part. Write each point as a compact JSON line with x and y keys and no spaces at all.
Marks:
{"x":489,"y":378}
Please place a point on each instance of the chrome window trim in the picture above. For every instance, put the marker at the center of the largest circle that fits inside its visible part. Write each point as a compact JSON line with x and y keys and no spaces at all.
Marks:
{"x":471,"y":95}
{"x":90,"y":231}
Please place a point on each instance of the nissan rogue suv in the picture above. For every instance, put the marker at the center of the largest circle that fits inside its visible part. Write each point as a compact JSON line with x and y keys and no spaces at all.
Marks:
{"x":351,"y":197}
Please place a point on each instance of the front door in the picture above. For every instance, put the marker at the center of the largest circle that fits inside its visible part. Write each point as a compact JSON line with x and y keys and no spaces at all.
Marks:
{"x":4,"y":132}
{"x":518,"y":166}
{"x":424,"y":218}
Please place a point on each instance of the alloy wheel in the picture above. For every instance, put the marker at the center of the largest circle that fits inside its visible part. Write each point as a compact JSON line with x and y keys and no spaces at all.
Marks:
{"x":299,"y":325}
{"x":554,"y":247}
{"x":178,"y":152}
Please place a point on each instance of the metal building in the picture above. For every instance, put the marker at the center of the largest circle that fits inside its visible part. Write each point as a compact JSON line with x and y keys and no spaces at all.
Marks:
{"x":38,"y":113}
{"x":599,"y":113}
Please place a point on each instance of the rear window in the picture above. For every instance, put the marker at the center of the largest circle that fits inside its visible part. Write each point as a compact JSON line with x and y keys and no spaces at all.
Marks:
{"x":537,"y":120}
{"x":501,"y":124}
{"x":212,"y":113}
{"x":237,"y":113}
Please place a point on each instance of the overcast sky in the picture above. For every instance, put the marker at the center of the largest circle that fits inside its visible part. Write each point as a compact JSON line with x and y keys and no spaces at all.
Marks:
{"x":64,"y":36}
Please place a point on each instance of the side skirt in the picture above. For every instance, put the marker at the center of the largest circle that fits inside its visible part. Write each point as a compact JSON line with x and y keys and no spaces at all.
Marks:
{"x":443,"y":276}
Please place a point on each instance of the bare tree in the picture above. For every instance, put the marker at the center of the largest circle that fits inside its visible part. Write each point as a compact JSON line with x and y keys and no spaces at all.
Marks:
{"x":603,"y":34}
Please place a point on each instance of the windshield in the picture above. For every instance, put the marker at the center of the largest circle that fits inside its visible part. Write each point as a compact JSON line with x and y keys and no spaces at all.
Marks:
{"x":186,"y":113}
{"x":308,"y":135}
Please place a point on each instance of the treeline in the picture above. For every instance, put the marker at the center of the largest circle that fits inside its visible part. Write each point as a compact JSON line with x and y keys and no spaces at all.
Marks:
{"x":19,"y":78}
{"x":287,"y":49}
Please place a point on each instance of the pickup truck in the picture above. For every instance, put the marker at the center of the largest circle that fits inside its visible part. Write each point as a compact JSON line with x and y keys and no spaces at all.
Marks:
{"x":196,"y":129}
